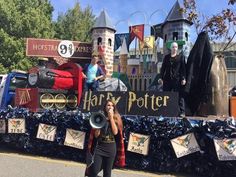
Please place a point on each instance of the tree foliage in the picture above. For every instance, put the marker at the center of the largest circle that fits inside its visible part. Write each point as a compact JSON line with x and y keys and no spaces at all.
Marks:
{"x":33,"y":18}
{"x":221,"y":26}
{"x":75,"y":24}
{"x":19,"y":20}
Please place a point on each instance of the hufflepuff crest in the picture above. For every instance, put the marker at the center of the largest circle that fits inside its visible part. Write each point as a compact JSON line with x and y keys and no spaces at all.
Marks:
{"x":184,"y":141}
{"x":16,"y":123}
{"x":47,"y":128}
{"x":75,"y":134}
{"x":228,"y":145}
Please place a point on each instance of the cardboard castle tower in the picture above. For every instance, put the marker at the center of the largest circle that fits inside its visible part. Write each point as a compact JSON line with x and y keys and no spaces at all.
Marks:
{"x":103,"y":33}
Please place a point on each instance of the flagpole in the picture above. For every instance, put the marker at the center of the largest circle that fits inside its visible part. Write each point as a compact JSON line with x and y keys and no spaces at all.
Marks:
{"x":143,"y":13}
{"x":158,"y":10}
{"x":145,"y":19}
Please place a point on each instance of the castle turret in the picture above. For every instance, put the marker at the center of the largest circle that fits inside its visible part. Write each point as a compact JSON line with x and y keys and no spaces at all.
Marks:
{"x":123,"y":58}
{"x":176,"y":27}
{"x":103,"y":33}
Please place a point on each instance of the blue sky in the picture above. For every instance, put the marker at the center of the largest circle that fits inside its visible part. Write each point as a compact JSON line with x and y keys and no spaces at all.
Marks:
{"x":126,"y":12}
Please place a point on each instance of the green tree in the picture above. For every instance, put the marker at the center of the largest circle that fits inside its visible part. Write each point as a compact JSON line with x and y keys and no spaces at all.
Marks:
{"x":221,"y":26}
{"x":18,"y":21}
{"x":75,"y":24}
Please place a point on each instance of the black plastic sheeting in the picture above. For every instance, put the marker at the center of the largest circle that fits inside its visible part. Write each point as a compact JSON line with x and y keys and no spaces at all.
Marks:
{"x":161,"y":156}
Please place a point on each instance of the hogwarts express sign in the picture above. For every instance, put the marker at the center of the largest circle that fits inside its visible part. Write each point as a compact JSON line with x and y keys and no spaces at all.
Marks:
{"x":49,"y":48}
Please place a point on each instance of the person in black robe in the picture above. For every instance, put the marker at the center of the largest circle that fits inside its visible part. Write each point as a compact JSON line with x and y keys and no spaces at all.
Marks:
{"x":198,"y":70}
{"x":173,"y":75}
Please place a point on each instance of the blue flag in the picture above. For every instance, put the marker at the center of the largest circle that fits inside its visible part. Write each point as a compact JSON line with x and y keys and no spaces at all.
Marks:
{"x":119,"y":39}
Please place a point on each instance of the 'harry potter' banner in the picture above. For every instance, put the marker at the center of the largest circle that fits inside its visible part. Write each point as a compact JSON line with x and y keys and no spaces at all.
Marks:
{"x":134,"y":103}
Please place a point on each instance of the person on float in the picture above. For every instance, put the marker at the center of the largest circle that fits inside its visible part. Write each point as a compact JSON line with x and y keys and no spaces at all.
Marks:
{"x":173,"y":75}
{"x":107,"y":144}
{"x":92,"y":73}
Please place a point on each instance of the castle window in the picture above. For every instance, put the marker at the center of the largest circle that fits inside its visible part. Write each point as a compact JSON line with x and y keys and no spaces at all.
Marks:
{"x":99,"y":41}
{"x":165,"y":37}
{"x":109,"y":42}
{"x":175,"y":36}
{"x":186,"y":36}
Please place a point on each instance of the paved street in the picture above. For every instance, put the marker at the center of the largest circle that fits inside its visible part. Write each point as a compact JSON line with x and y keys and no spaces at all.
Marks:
{"x":13,"y":164}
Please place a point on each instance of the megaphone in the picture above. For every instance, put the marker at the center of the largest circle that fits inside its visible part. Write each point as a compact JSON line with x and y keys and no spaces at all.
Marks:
{"x":97,"y":120}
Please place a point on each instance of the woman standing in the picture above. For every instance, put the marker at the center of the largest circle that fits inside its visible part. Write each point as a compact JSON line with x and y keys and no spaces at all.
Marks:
{"x":109,"y":144}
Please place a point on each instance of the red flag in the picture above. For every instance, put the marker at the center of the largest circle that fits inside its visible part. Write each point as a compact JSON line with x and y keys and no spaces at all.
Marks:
{"x":136,"y":31}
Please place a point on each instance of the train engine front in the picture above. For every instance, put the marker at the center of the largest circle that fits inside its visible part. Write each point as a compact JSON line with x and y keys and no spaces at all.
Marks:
{"x":59,"y":88}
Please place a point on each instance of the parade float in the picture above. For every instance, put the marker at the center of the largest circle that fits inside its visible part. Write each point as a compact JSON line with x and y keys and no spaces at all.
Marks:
{"x":51,"y":112}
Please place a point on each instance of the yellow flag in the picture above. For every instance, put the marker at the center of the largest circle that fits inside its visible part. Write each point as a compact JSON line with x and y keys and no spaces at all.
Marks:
{"x":148,"y":42}
{"x":141,"y":45}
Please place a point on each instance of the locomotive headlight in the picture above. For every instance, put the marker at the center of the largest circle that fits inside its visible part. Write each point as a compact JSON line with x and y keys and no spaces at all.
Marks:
{"x":32,"y":79}
{"x":13,"y":80}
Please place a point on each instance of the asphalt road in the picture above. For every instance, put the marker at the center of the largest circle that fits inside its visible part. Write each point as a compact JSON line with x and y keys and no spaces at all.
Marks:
{"x":21,"y":165}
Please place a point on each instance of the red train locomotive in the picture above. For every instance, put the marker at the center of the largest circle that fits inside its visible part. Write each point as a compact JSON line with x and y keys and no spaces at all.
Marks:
{"x":59,"y":88}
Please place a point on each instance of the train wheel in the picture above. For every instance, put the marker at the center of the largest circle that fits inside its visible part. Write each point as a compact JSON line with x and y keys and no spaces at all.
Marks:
{"x":60,"y":101}
{"x":71,"y":101}
{"x":46,"y":101}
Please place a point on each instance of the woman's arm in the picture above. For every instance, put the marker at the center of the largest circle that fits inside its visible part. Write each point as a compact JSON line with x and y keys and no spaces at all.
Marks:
{"x":99,"y":77}
{"x":100,"y":74}
{"x":112,"y":122}
{"x":97,"y":132}
{"x":84,"y":75}
{"x":182,"y":70}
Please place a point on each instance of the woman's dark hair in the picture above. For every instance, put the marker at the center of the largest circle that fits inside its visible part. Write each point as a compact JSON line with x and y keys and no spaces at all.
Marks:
{"x":117,"y":116}
{"x":114,"y":105}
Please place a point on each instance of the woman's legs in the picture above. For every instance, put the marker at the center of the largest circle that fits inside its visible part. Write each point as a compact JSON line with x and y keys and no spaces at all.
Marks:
{"x":96,"y":166}
{"x":107,"y":166}
{"x":100,"y":161}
